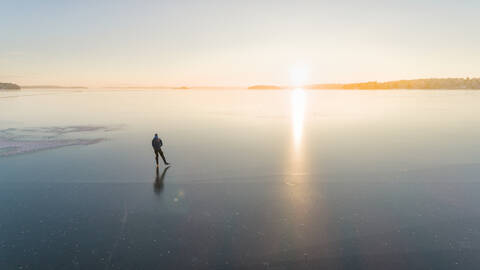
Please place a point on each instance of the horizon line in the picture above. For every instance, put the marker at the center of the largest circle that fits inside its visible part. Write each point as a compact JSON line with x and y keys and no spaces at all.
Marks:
{"x":186,"y":86}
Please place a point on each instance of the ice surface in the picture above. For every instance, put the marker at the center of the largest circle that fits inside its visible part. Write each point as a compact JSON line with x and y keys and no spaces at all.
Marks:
{"x":260,"y":180}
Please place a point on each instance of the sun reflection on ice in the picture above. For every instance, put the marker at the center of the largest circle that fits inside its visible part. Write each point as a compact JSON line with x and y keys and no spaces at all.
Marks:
{"x":298,"y":115}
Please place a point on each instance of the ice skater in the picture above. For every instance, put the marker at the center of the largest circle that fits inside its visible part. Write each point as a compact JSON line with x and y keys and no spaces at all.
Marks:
{"x":157,"y":148}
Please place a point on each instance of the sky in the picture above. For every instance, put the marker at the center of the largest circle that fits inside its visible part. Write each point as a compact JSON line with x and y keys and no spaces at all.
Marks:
{"x":235,"y":43}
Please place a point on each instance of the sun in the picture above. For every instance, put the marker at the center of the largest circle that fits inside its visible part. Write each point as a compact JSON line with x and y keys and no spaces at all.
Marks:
{"x":298,"y":75}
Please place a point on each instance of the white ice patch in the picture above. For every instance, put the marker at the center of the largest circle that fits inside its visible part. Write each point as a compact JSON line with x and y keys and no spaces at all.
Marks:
{"x":26,"y":140}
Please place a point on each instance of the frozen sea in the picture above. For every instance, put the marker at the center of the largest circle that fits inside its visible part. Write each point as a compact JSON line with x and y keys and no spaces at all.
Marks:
{"x":287,"y":179}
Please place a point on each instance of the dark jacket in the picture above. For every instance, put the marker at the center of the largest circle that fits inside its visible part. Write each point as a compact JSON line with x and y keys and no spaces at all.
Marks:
{"x":157,"y":144}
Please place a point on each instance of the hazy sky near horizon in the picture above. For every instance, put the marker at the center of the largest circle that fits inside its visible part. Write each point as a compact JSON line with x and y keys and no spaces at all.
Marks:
{"x":217,"y":42}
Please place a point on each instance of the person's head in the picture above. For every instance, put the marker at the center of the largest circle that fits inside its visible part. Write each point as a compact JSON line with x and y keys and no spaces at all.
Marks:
{"x":156,"y":136}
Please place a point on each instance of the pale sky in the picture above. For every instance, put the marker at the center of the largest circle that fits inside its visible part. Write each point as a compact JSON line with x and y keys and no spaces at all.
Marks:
{"x":235,"y":43}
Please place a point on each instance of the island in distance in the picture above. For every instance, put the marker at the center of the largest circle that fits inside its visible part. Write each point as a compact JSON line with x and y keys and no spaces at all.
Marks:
{"x":446,"y":83}
{"x":9,"y":86}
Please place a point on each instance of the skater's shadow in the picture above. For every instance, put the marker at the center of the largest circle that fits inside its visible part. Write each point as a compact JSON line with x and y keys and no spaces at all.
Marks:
{"x":159,"y":179}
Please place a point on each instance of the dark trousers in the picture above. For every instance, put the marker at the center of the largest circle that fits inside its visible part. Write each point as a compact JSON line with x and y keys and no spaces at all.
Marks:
{"x":159,"y":151}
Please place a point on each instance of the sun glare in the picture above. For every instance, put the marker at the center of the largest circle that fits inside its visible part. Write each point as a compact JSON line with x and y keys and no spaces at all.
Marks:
{"x":298,"y":76}
{"x":298,"y":115}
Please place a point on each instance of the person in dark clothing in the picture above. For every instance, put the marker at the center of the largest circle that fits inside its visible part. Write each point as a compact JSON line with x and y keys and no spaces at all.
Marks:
{"x":157,"y":148}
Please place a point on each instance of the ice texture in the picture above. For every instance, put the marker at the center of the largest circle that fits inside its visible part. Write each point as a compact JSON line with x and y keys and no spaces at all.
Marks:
{"x":14,"y":141}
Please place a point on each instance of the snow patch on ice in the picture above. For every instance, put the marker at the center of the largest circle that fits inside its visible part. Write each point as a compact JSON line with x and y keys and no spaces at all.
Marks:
{"x":15,"y":141}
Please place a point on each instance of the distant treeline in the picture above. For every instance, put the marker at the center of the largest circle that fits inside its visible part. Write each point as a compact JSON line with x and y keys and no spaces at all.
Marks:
{"x":448,"y":83}
{"x":9,"y":86}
